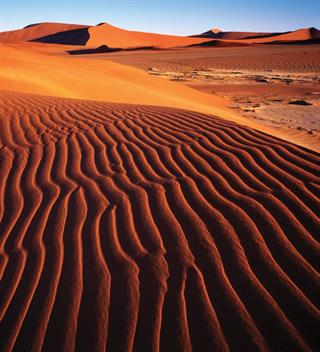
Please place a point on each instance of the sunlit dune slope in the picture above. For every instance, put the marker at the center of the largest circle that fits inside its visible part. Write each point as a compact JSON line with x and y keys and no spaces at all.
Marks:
{"x":37,"y":31}
{"x":30,"y":70}
{"x":138,"y":228}
{"x":117,"y":37}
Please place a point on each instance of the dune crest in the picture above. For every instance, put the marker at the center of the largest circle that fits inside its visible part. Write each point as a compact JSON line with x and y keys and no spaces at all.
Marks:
{"x":36,"y":31}
{"x":117,"y":37}
{"x":304,"y":34}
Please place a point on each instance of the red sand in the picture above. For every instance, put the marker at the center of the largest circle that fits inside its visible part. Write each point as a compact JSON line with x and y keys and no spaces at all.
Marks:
{"x":37,"y":31}
{"x":106,"y":34}
{"x":133,"y":227}
{"x":117,"y":37}
{"x":258,"y":37}
{"x":137,"y":227}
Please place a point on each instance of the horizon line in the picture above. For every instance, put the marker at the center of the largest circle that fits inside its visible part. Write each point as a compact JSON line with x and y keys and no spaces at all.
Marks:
{"x":145,"y":31}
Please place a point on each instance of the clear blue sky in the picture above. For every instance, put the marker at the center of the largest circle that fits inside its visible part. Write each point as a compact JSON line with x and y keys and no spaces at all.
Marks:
{"x":166,"y":16}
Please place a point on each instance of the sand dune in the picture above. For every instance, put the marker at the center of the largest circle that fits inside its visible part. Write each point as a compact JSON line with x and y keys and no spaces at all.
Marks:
{"x":304,"y":34}
{"x":32,"y":72}
{"x":37,"y":31}
{"x":114,"y":37}
{"x":117,"y":37}
{"x":133,"y":227}
{"x":24,"y":69}
{"x":217,"y":33}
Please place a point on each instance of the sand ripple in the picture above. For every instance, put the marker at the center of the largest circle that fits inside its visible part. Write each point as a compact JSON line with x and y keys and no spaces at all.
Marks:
{"x":127,"y":227}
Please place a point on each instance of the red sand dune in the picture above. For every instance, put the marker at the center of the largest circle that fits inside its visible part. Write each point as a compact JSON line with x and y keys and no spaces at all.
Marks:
{"x":117,"y":37}
{"x":114,"y":37}
{"x":304,"y":34}
{"x":133,"y":227}
{"x":25,"y":70}
{"x":148,"y":228}
{"x":217,"y":33}
{"x":94,"y":36}
{"x":29,"y":69}
{"x":37,"y":30}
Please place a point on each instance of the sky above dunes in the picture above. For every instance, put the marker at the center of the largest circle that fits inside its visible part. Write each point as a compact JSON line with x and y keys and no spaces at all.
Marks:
{"x":181,"y":17}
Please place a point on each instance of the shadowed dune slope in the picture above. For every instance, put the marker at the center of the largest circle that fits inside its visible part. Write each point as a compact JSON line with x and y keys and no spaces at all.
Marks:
{"x":37,"y":31}
{"x":221,"y":43}
{"x":148,"y":228}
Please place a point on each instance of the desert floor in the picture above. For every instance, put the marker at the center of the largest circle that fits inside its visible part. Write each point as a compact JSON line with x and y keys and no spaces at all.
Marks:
{"x":275,"y":85}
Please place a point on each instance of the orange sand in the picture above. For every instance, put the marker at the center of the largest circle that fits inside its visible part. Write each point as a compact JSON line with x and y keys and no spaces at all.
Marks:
{"x":136,"y":227}
{"x":133,"y":227}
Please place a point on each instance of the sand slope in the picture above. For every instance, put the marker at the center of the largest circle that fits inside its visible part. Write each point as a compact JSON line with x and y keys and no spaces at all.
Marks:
{"x":25,"y":70}
{"x":130,"y":227}
{"x":117,"y":37}
{"x":30,"y":69}
{"x":94,"y":36}
{"x":305,"y":34}
{"x":300,"y":35}
{"x":114,"y":37}
{"x":217,"y":33}
{"x":37,"y":31}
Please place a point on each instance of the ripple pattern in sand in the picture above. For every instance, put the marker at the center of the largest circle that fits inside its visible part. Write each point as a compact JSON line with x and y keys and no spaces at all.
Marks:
{"x":140,"y":228}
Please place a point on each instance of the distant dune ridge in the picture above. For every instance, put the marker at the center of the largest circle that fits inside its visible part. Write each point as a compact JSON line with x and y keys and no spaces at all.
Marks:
{"x":219,"y":34}
{"x":114,"y":37}
{"x":252,"y":37}
{"x":138,"y":214}
{"x":37,"y":31}
{"x":94,"y":36}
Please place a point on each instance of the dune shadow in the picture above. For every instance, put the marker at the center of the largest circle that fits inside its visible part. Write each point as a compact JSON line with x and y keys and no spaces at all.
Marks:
{"x":99,"y":50}
{"x":71,"y":37}
{"x":106,"y":49}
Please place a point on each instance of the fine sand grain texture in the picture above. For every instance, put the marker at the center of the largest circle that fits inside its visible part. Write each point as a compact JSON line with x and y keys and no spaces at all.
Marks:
{"x":127,"y":227}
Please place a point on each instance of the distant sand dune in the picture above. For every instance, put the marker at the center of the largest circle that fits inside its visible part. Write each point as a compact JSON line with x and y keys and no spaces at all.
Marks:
{"x":37,"y":30}
{"x":95,"y":36}
{"x":117,"y":37}
{"x":305,"y":34}
{"x":105,"y":34}
{"x":126,"y":226}
{"x":231,"y":35}
{"x":300,"y":35}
